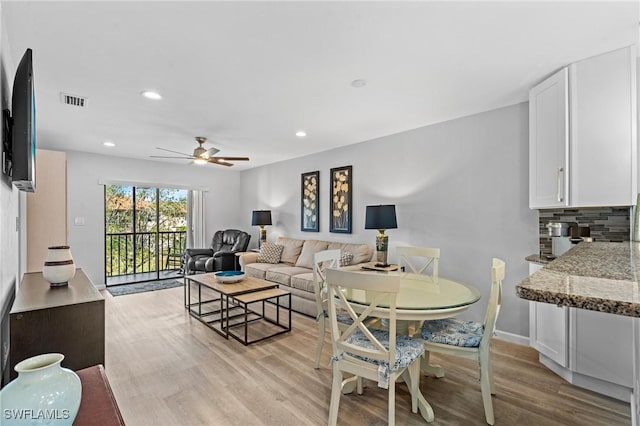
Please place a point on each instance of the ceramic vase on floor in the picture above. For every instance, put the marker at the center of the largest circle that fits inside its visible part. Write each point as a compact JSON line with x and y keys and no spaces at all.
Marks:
{"x":59,"y":267}
{"x":44,"y":393}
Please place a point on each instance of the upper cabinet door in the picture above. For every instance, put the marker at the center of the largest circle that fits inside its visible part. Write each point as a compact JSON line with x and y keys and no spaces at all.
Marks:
{"x":603,"y":130}
{"x":549,"y":142}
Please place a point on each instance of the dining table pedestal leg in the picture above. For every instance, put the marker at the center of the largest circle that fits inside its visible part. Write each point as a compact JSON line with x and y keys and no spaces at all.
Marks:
{"x":423,"y":406}
{"x":350,"y":384}
{"x":430,"y":369}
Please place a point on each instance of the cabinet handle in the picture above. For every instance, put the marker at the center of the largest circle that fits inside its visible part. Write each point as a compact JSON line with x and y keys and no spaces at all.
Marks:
{"x":559,"y":178}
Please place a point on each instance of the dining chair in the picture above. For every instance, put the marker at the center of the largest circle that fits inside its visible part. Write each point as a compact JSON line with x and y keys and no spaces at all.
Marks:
{"x":321,"y":261}
{"x":470,"y":339}
{"x":374,"y":354}
{"x":419,"y":262}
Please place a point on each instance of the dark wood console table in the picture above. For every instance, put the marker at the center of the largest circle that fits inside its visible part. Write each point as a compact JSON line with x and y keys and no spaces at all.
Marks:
{"x":67,"y":320}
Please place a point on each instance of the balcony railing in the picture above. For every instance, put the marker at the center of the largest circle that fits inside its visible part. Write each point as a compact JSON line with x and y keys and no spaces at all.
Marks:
{"x":128,"y":253}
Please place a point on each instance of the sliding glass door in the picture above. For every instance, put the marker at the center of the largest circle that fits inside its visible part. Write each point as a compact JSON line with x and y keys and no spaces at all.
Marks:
{"x":145,"y":233}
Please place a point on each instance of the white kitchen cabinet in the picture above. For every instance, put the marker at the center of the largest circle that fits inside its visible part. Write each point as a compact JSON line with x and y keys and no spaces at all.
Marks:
{"x":603,"y":130}
{"x":549,"y":328}
{"x":549,"y":142}
{"x":582,"y":134}
{"x":601,"y":346}
{"x":590,"y":349}
{"x":549,"y":331}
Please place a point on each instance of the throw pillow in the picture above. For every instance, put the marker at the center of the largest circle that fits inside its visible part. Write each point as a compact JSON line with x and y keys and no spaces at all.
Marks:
{"x":309,"y":249}
{"x":346,"y":257}
{"x":270,"y":253}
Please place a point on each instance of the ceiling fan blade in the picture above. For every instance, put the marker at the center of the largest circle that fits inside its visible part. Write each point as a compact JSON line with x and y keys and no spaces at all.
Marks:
{"x":229,"y":158}
{"x":162,"y":156}
{"x":211,"y":152}
{"x":175,"y":152}
{"x":218,"y":161}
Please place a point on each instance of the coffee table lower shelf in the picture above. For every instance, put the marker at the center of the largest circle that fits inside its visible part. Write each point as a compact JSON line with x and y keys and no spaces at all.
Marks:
{"x":272,"y":297}
{"x":230,"y":314}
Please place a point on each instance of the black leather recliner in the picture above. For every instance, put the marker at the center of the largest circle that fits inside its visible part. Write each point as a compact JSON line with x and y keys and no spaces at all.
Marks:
{"x":221,"y":256}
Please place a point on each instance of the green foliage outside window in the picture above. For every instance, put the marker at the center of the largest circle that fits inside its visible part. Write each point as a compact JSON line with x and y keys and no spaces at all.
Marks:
{"x":143,"y":225}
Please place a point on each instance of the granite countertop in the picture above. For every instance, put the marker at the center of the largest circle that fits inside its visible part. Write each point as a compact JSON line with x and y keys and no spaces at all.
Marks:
{"x":597,"y":276}
{"x":536,"y":258}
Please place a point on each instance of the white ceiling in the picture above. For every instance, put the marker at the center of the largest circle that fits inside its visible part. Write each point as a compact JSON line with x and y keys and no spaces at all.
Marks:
{"x":248,"y":75}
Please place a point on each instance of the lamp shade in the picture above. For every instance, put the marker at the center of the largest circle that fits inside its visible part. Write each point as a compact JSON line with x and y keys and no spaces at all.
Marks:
{"x":261,"y":217}
{"x":381,"y":217}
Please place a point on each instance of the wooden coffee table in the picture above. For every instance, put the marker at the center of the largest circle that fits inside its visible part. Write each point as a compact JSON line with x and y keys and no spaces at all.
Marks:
{"x":229,"y":308}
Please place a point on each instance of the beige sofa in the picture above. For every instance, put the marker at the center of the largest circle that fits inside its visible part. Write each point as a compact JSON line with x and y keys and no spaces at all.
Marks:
{"x":294,"y":273}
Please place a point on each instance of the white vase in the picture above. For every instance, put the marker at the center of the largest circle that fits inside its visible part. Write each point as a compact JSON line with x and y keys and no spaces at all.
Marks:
{"x":44,"y":393}
{"x":58,"y":266}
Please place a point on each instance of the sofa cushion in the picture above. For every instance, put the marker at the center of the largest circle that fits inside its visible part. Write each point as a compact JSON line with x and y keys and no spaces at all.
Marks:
{"x":304,"y":282}
{"x":282,"y":274}
{"x":291,"y":251}
{"x":362,"y":253}
{"x":309,"y":249}
{"x":259,"y":270}
{"x":270,"y":253}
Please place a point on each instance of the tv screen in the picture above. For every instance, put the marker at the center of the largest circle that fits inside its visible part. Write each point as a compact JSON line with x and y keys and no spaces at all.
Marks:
{"x":23,"y":105}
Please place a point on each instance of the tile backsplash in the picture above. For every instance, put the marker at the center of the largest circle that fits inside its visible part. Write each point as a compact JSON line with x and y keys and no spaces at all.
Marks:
{"x":605,"y":223}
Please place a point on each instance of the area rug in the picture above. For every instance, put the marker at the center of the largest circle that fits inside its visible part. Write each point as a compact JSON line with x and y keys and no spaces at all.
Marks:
{"x":123,"y":289}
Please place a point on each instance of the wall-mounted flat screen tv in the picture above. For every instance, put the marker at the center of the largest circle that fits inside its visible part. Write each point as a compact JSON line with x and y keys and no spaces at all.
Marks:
{"x":23,"y":132}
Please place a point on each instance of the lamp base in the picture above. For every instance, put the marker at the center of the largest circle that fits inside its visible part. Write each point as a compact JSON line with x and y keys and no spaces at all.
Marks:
{"x":382,"y":244}
{"x":263,"y":236}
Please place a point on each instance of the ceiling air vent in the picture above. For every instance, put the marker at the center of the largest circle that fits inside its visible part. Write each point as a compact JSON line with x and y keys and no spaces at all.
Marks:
{"x":73,"y":100}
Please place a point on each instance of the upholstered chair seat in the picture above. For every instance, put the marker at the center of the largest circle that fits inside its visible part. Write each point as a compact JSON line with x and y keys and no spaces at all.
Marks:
{"x":453,"y":331}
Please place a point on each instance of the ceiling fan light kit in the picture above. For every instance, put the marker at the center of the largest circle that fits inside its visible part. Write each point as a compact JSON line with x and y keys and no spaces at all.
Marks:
{"x":201,"y":155}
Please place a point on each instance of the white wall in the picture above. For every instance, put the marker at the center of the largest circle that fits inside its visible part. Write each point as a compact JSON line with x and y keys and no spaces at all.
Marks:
{"x":9,"y":199}
{"x":85,"y":198}
{"x":460,"y":185}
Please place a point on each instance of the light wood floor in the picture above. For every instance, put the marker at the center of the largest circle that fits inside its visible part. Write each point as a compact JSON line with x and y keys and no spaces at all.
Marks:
{"x":167,"y":368}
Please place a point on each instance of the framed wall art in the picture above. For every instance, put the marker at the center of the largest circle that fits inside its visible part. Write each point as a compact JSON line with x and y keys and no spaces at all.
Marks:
{"x":310,"y":200}
{"x":340,"y":206}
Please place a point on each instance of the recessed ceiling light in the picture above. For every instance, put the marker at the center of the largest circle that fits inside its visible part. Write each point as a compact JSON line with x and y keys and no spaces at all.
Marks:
{"x":109,"y":144}
{"x":301,"y":133}
{"x":359,"y":83}
{"x":152,"y":95}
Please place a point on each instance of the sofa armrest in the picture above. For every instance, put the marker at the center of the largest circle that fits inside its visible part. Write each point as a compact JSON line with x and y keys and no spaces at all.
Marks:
{"x":247,"y":258}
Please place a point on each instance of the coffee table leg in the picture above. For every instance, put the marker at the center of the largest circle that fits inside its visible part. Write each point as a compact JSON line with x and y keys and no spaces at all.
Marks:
{"x":188,"y":283}
{"x":246,"y":323}
{"x":224,"y":315}
{"x":289,"y":311}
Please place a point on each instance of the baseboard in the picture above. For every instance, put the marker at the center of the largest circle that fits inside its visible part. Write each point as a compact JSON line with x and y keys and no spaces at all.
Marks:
{"x":511,"y":337}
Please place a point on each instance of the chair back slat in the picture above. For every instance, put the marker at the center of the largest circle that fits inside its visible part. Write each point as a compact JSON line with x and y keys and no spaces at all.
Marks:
{"x":416,"y":262}
{"x":495,"y":300}
{"x":321,"y":261}
{"x":382,"y":290}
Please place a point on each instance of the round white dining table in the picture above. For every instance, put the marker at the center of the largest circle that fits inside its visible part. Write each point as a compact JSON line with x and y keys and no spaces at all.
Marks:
{"x":420,"y":298}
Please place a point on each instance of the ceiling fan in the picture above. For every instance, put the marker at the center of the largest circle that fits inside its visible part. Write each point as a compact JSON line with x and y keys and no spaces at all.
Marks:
{"x":201,"y":155}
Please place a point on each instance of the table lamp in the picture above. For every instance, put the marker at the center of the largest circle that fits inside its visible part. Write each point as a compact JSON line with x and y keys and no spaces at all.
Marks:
{"x":261,"y":218}
{"x":381,"y":217}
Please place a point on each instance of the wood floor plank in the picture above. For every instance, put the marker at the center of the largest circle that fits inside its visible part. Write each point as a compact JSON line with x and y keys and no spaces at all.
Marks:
{"x":167,"y":368}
